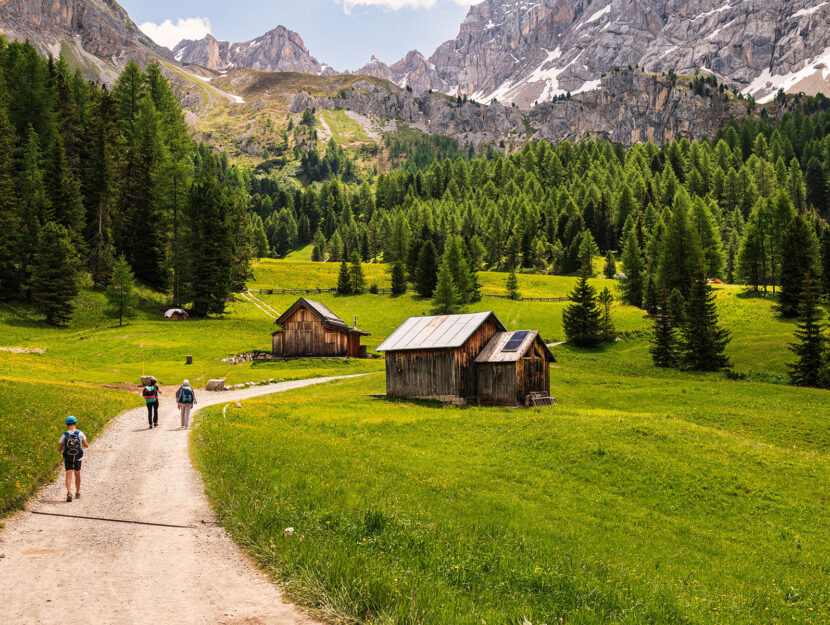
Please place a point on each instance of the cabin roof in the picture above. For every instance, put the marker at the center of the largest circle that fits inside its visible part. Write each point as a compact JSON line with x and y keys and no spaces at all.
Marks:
{"x":495,"y":350}
{"x":447,"y":331}
{"x":329,"y":319}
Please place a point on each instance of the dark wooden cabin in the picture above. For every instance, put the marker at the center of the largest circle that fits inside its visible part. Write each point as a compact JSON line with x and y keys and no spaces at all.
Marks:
{"x":513,"y":367}
{"x":309,"y":329}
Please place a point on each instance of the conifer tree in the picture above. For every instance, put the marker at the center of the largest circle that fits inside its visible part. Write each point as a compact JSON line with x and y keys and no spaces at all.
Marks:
{"x":398,"y":279}
{"x":825,"y":260}
{"x":446,"y":300}
{"x":703,"y":342}
{"x":587,"y":250}
{"x":606,"y":302}
{"x":35,"y":210}
{"x":664,"y":344}
{"x":800,"y":255}
{"x":120,"y":292}
{"x":357,"y":281}
{"x":212,"y":211}
{"x":9,"y":218}
{"x":55,"y":276}
{"x":650,"y":295}
{"x":677,"y":308}
{"x":632,"y":262}
{"x":512,"y":285}
{"x":426,"y":271}
{"x":810,"y":344}
{"x":344,"y":283}
{"x":610,"y":268}
{"x":681,"y":249}
{"x":581,"y":319}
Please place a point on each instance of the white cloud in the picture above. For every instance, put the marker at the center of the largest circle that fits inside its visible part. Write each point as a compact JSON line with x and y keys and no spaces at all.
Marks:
{"x":169,"y":34}
{"x":394,"y":5}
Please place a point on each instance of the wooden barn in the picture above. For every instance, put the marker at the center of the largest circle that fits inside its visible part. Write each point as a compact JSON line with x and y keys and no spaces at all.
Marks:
{"x":309,"y":329}
{"x":437,"y":357}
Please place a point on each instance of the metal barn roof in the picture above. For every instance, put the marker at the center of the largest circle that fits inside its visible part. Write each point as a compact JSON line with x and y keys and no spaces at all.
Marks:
{"x":447,"y":331}
{"x":495,"y":350}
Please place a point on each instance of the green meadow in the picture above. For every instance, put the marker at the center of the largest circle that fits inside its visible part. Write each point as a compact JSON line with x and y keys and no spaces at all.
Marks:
{"x":645,"y":496}
{"x":641,"y":498}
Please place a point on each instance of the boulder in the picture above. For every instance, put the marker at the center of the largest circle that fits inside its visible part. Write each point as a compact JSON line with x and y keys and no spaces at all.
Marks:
{"x":148,"y":380}
{"x":215,"y":385}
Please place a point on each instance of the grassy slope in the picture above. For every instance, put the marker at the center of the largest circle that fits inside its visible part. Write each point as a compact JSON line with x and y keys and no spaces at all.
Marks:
{"x":31,"y":421}
{"x":659,"y":499}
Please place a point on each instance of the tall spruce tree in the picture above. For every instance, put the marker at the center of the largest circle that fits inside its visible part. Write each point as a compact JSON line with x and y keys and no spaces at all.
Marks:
{"x":610,"y":268}
{"x":426,"y":272}
{"x":606,"y":302}
{"x":10,"y":256}
{"x":399,"y":279}
{"x":703,"y":342}
{"x":800,"y":256}
{"x":680,"y":256}
{"x":825,"y":260}
{"x":512,"y":285}
{"x":55,"y":276}
{"x":357,"y":281}
{"x":810,"y":344}
{"x":581,"y":319}
{"x":121,"y":290}
{"x":665,"y":349}
{"x":344,"y":283}
{"x":445,"y":300}
{"x":633,"y":268}
{"x":211,"y":235}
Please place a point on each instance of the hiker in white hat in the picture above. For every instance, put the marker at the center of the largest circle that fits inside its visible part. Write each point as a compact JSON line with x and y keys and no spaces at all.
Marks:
{"x":185,"y":398}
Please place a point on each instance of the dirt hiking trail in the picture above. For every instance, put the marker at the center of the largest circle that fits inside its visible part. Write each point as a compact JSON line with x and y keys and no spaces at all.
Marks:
{"x":78,"y":571}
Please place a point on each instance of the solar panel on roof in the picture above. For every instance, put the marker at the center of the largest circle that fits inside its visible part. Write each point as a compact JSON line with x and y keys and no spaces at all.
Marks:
{"x":516,"y":341}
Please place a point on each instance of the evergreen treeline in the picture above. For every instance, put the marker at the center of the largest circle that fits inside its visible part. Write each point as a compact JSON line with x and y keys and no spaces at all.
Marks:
{"x":89,"y":174}
{"x":737,"y":205}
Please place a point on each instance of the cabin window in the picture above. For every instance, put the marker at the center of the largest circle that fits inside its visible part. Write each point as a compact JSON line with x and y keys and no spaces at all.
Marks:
{"x":331,"y":337}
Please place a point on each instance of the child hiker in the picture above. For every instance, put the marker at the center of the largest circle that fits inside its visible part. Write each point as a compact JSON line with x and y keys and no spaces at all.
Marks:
{"x":185,"y":398}
{"x":71,"y":445}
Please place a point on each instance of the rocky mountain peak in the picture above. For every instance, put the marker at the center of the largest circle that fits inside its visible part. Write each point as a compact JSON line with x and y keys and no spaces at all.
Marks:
{"x":278,"y":50}
{"x":530,"y":51}
{"x":99,"y":33}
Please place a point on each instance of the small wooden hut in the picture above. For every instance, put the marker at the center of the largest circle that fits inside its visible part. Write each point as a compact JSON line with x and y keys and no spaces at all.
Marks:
{"x":514,"y":369}
{"x":309,"y":329}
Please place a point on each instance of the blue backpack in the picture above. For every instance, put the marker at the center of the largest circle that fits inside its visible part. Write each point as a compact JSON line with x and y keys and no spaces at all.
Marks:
{"x":187,"y":395}
{"x":73,"y":449}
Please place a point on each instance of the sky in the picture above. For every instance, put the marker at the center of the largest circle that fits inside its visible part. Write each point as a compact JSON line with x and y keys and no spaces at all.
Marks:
{"x":342,"y":33}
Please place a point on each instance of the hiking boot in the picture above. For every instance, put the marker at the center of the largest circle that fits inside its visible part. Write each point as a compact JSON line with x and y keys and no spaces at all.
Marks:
{"x":77,"y":496}
{"x":151,"y":426}
{"x":68,"y":497}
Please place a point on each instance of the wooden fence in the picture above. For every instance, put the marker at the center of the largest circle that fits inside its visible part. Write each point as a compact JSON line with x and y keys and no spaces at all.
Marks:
{"x":385,"y":291}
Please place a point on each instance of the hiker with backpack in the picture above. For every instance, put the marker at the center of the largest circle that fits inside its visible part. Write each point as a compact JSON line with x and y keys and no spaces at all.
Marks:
{"x":185,"y":398}
{"x":71,"y":446}
{"x":151,"y":396}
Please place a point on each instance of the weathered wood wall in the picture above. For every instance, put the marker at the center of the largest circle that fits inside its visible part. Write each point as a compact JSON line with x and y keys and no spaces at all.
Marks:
{"x":509,"y":383}
{"x":437,"y":372}
{"x":496,"y":383}
{"x":303,"y":334}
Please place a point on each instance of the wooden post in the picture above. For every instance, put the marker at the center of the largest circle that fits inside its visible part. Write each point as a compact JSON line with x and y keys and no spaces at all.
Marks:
{"x":189,"y":360}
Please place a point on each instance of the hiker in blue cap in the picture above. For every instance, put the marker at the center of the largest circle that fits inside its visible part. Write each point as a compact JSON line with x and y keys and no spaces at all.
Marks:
{"x":71,"y":445}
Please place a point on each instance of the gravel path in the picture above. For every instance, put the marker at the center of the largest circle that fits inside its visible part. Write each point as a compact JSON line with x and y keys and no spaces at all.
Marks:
{"x":78,"y":571}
